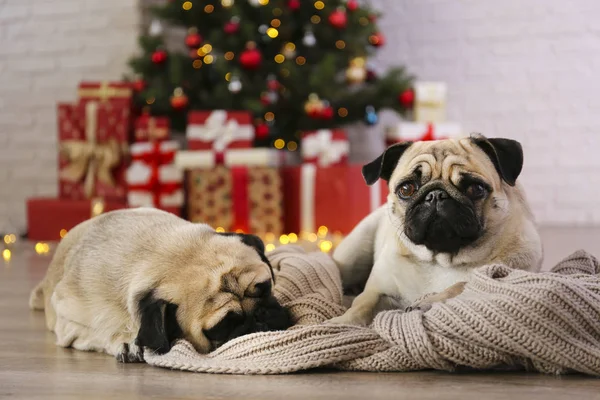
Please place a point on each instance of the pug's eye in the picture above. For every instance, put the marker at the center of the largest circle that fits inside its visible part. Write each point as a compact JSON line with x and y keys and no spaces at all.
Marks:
{"x":476,"y":191}
{"x":407,"y":189}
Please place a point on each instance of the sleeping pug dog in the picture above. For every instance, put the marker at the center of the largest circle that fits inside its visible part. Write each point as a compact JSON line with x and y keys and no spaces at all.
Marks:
{"x":453,"y":206}
{"x":138,"y":278}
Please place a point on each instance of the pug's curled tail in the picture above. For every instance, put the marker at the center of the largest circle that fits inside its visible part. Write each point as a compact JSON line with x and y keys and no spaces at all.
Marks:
{"x":36,"y":299}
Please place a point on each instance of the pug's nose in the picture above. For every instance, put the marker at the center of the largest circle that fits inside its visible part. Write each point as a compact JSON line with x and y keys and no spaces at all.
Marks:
{"x":262,"y":289}
{"x":436,"y":195}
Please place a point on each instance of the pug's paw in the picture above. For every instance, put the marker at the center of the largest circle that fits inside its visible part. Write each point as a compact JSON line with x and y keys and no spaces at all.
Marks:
{"x":423,"y":305}
{"x":130,"y":353}
{"x":349,"y":318}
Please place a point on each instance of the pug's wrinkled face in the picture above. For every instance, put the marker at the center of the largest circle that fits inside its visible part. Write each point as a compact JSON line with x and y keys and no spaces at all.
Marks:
{"x":445,"y":194}
{"x":224,"y":291}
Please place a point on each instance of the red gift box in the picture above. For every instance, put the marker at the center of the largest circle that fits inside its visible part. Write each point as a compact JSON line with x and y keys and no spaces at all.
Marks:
{"x":336,"y":197}
{"x":47,"y":217}
{"x":149,"y":128}
{"x":325,"y":147}
{"x":219,"y":130}
{"x":153,"y":180}
{"x":93,"y":141}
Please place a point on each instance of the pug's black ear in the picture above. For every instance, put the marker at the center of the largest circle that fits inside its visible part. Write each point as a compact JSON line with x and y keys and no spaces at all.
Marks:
{"x":248,"y":239}
{"x":384,"y":165}
{"x":255,"y":242}
{"x":506,"y":155}
{"x":158,"y":324}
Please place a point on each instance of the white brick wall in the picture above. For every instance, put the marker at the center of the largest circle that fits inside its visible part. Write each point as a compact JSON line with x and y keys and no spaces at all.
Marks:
{"x":527,"y":70}
{"x":520,"y":69}
{"x":46,"y":48}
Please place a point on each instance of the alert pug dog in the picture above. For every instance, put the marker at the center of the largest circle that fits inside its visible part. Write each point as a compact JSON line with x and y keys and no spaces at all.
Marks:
{"x":138,"y":278}
{"x":454,"y":205}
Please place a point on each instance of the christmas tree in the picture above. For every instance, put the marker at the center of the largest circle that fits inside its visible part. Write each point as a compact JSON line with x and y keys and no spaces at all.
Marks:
{"x":297,"y":65}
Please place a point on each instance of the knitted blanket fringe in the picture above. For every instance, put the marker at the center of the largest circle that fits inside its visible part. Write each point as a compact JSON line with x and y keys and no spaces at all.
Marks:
{"x":505,"y":319}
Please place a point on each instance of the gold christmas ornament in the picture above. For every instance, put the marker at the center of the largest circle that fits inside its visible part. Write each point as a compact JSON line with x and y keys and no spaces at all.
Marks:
{"x":314,"y":104}
{"x":357,"y":71}
{"x":289,"y":50}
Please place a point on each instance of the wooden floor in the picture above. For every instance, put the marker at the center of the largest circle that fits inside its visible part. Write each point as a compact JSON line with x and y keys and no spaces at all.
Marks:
{"x":31,"y":367}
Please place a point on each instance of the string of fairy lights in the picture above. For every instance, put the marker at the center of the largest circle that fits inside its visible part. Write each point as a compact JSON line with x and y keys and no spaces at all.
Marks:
{"x":323,"y":239}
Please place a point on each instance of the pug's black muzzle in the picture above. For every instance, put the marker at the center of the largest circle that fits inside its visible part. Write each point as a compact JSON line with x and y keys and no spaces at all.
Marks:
{"x":268,"y":315}
{"x":442,"y":223}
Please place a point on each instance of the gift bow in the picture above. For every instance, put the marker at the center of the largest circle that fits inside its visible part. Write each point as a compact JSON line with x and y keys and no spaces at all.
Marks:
{"x":321,"y":146}
{"x":219,"y":131}
{"x":89,"y":159}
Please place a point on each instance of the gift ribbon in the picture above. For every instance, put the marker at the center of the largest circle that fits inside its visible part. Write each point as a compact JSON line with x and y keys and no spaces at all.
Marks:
{"x":320,"y":147}
{"x":219,"y":157}
{"x":219,"y":131}
{"x":152,"y":132}
{"x":88,"y":159}
{"x":104,"y":92}
{"x":240,"y":198}
{"x":154,"y":159}
{"x":156,"y":188}
{"x":308,"y":175}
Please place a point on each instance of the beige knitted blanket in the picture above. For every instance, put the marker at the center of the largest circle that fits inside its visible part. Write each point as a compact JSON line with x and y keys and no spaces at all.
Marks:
{"x":509,"y":319}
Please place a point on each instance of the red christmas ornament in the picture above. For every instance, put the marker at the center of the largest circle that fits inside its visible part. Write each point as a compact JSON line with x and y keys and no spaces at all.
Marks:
{"x":371,"y":75}
{"x":179,"y":100}
{"x":231,"y":27}
{"x":377,"y":39}
{"x":338,"y":19}
{"x":314,"y":113}
{"x":352,"y":5}
{"x":372,"y":17}
{"x":159,"y":57}
{"x":327,"y":113}
{"x":273,"y":84}
{"x":407,"y":98}
{"x":294,"y":5}
{"x":193,"y":39}
{"x":139,"y":85}
{"x":264,"y":99}
{"x":261,"y":131}
{"x":250,"y":58}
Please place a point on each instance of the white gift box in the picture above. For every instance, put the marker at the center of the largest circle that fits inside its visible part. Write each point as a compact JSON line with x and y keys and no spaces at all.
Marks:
{"x":235,"y":157}
{"x":430,"y":101}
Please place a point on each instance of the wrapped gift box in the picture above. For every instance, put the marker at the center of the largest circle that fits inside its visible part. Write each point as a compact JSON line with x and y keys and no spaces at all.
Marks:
{"x":93,"y":147}
{"x":149,"y":128}
{"x":218,"y":130}
{"x":421,"y":131}
{"x":47,"y":217}
{"x":430,"y":101}
{"x":153,"y":179}
{"x":325,"y":147}
{"x":336,"y":197}
{"x":235,"y":190}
